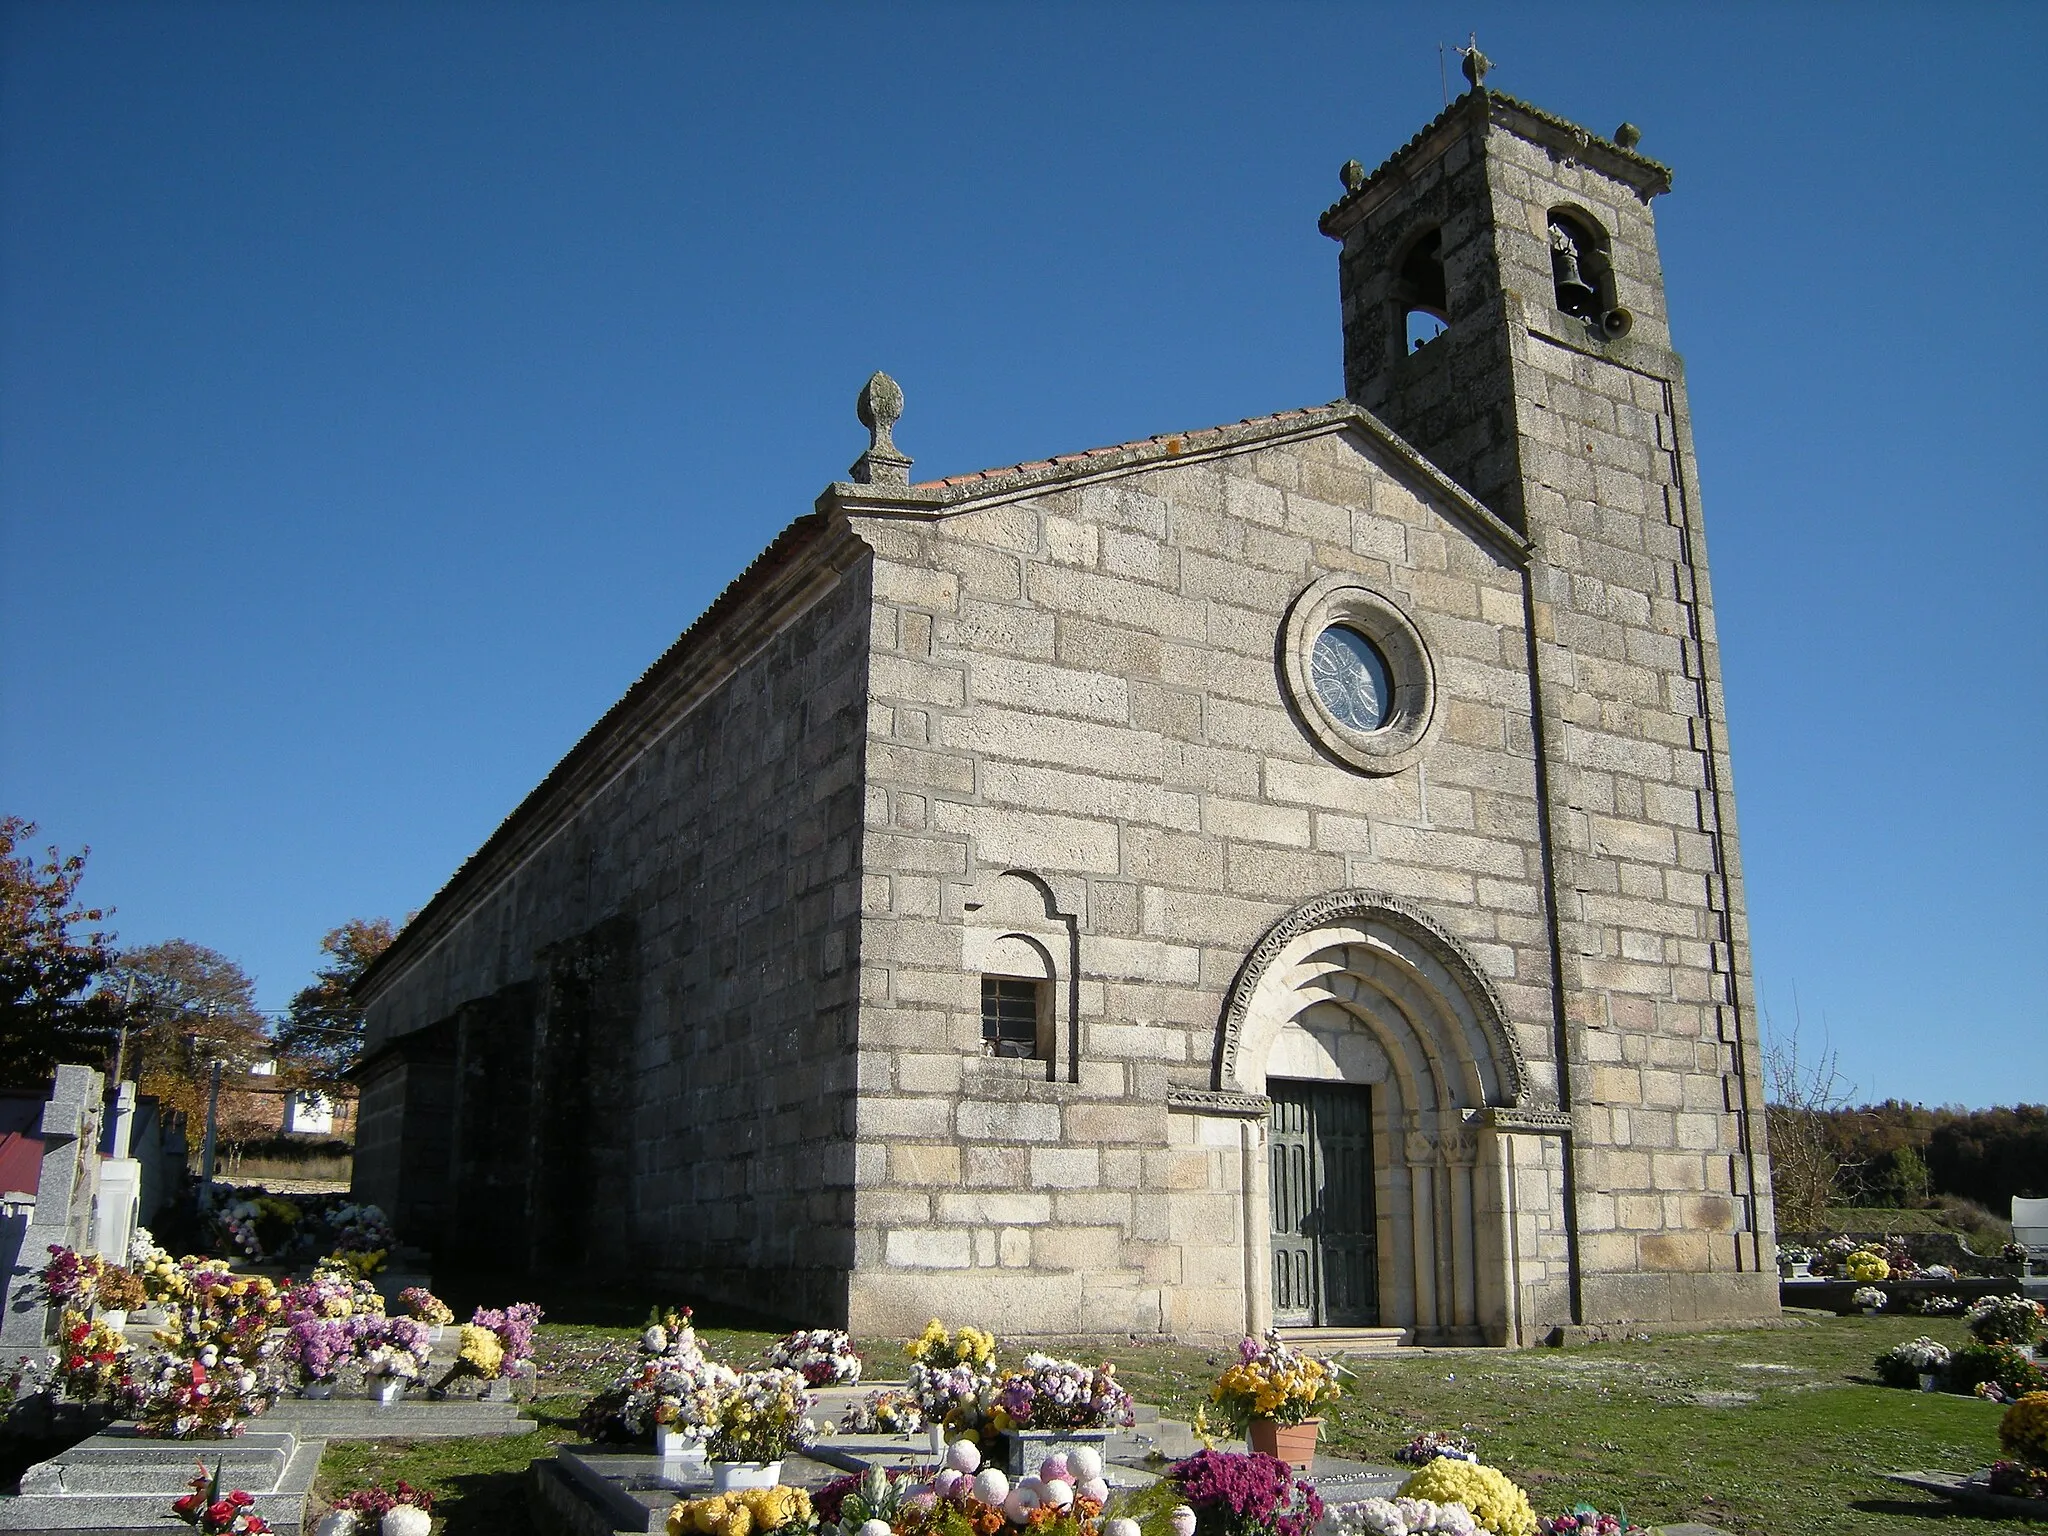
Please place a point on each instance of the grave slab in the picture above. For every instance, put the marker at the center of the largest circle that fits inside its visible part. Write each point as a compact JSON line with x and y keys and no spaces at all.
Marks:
{"x":1965,"y":1490}
{"x":362,"y":1418}
{"x":120,"y":1481}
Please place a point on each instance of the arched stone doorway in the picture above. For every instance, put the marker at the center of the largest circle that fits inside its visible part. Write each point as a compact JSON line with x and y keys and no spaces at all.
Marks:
{"x":1384,"y":1053}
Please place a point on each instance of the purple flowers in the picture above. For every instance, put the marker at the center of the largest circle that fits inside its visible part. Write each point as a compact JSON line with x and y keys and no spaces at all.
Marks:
{"x":318,"y":1346}
{"x":1247,"y":1495}
{"x":1063,"y":1394}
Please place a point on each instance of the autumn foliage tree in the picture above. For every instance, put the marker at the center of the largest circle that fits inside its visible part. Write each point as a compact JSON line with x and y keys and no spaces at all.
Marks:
{"x":47,"y":965}
{"x":323,"y":1031}
{"x":189,"y":1007}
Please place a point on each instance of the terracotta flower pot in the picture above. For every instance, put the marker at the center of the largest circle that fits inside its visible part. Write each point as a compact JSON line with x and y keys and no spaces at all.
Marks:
{"x":1294,"y":1444}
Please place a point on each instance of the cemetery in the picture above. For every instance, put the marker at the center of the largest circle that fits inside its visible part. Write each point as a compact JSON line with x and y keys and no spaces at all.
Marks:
{"x":304,"y":1374}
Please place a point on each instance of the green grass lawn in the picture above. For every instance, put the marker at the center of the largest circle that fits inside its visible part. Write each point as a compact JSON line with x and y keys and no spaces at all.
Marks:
{"x":1774,"y":1431}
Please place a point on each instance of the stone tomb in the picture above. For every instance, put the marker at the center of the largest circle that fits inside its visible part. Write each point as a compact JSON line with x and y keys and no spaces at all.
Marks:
{"x":120,"y":1480}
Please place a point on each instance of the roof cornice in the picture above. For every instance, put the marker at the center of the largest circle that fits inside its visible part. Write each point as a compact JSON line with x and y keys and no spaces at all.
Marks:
{"x":1479,"y":109}
{"x":992,"y":487}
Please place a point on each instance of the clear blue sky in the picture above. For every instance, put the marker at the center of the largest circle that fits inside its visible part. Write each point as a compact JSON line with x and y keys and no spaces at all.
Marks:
{"x":383,"y":386}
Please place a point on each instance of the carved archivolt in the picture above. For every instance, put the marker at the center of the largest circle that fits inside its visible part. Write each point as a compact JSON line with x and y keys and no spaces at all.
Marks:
{"x":1410,"y":930}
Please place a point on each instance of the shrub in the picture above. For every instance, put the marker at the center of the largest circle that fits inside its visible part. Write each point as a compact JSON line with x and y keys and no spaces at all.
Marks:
{"x":2006,"y":1364}
{"x":2004,"y":1319}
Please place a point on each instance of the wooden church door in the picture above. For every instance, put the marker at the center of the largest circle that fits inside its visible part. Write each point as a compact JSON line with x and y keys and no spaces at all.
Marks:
{"x":1325,"y":1238}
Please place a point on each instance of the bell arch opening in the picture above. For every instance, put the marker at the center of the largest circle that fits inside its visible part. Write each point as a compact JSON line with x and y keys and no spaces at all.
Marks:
{"x":1359,"y":1011}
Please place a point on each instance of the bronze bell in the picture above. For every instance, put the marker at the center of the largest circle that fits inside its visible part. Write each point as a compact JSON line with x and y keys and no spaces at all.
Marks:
{"x":1575,"y":296}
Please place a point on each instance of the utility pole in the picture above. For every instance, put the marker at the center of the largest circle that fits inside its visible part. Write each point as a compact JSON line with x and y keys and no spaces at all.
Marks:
{"x":212,"y":1128}
{"x":127,"y":1010}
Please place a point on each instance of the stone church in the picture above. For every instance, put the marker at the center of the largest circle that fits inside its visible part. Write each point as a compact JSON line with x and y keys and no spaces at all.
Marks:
{"x":1280,"y":873}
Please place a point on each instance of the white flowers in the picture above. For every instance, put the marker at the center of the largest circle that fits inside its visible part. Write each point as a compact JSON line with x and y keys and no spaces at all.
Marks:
{"x":1399,"y":1517}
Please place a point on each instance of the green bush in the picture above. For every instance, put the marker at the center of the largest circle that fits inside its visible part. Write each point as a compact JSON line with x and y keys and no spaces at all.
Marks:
{"x":2006,"y":1364}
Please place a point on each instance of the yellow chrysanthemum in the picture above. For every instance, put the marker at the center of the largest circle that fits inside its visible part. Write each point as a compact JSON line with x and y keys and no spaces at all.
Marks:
{"x":1496,"y":1504}
{"x":2023,"y":1432}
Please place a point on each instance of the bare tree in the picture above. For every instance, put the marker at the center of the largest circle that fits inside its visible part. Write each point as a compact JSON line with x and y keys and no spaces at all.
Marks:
{"x":1804,"y":1088}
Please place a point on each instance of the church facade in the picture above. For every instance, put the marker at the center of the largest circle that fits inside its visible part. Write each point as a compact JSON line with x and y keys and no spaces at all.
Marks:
{"x":1283,"y":873}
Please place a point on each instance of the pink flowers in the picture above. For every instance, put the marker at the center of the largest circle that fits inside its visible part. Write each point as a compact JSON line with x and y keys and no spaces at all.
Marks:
{"x":1248,"y":1495}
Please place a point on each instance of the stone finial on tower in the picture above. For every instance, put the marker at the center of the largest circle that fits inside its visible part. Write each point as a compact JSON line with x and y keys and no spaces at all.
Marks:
{"x":1628,"y":135}
{"x":1476,"y":63}
{"x":1352,"y":174}
{"x":880,"y":407}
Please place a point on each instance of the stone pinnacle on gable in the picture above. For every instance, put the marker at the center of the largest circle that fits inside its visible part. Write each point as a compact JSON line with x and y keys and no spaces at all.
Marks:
{"x":880,"y":407}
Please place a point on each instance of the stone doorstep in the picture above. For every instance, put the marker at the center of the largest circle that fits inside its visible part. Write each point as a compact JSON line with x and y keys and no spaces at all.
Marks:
{"x":283,"y":1504}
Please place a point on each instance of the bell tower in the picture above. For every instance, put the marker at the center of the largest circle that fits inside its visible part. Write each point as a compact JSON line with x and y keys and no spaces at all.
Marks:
{"x":1503,"y":310}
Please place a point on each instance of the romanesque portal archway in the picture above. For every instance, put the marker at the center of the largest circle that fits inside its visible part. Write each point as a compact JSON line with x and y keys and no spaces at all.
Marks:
{"x":1381,"y":1047}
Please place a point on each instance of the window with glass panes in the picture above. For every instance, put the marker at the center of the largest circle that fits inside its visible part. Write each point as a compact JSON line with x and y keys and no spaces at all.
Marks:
{"x":1009,"y":1016}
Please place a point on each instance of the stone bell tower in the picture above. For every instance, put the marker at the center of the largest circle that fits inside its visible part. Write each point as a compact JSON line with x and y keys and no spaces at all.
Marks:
{"x":1504,"y":311}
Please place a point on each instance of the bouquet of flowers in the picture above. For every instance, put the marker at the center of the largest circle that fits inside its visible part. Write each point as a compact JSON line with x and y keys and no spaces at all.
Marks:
{"x":70,"y":1279}
{"x":1400,"y":1517}
{"x":1273,"y":1381}
{"x":824,"y":1357}
{"x":389,"y":1346}
{"x":1939,"y":1305}
{"x":1866,"y":1264}
{"x":1430,"y":1444}
{"x":361,"y":1229}
{"x":1497,"y":1505}
{"x":367,"y":1507}
{"x":884,"y":1411}
{"x":92,"y":1359}
{"x":1585,"y":1520}
{"x":1868,"y":1296}
{"x":1904,"y":1364}
{"x":261,"y":1226}
{"x":762,"y":1416}
{"x":950,"y":1394}
{"x":204,"y":1395}
{"x":742,"y":1512}
{"x":1060,"y":1394}
{"x":677,"y":1392}
{"x":1246,"y":1495}
{"x":424,"y":1306}
{"x":2016,"y":1480}
{"x":2013,"y":1253}
{"x":320,"y":1298}
{"x":318,"y":1346}
{"x":207,"y":1509}
{"x":341,"y":1274}
{"x":236,"y":1313}
{"x":163,"y":1277}
{"x":936,"y":1346}
{"x":2005,"y":1320}
{"x":2023,"y":1432}
{"x":120,"y":1290}
{"x":513,"y":1326}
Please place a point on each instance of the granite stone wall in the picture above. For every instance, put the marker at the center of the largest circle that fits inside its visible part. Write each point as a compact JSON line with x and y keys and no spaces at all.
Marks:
{"x":1082,"y":685}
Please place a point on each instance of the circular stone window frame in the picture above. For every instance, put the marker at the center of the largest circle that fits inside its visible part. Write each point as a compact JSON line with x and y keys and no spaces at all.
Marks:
{"x":1411,"y":720}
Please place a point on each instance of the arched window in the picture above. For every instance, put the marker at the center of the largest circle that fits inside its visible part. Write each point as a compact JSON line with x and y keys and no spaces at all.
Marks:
{"x":1581,"y":274}
{"x":1420,"y":291}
